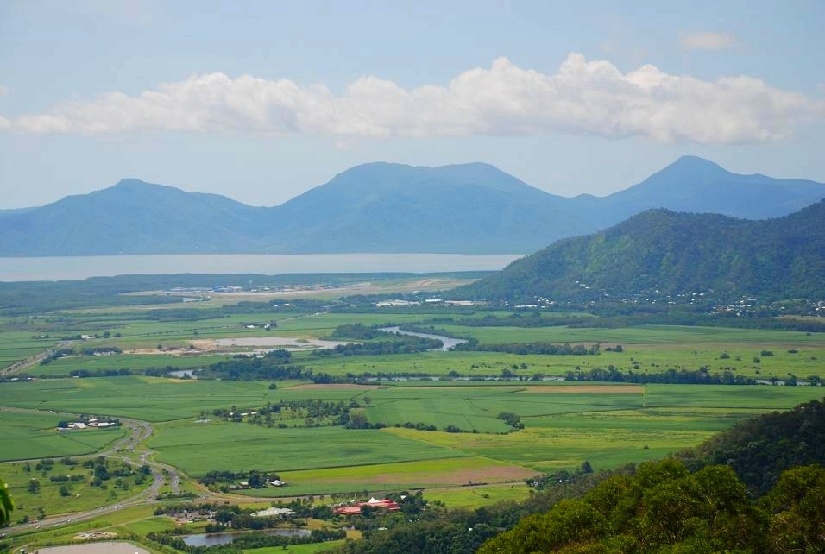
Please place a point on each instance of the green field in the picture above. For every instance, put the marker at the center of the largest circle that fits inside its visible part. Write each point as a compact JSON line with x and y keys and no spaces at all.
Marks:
{"x":30,"y":435}
{"x":381,"y":477}
{"x":78,"y":494}
{"x":152,"y":399}
{"x":136,"y":362}
{"x":196,"y":447}
{"x":471,"y":498}
{"x":565,"y":424}
{"x":19,"y":345}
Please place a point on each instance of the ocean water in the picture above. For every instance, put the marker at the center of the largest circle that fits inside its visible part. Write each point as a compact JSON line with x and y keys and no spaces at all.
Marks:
{"x":82,"y":267}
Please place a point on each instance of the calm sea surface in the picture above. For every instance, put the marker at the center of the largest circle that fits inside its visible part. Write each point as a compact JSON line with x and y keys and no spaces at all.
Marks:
{"x":81,"y":267}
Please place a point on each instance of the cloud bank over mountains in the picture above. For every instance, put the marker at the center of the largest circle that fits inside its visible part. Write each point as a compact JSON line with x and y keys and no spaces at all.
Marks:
{"x":582,"y":97}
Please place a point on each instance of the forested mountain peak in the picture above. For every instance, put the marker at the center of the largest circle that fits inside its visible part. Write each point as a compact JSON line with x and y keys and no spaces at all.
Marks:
{"x":673,"y":253}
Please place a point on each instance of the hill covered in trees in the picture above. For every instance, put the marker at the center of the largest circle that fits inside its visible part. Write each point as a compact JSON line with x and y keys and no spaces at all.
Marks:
{"x":661,"y":253}
{"x":665,"y":508}
{"x":760,"y":449}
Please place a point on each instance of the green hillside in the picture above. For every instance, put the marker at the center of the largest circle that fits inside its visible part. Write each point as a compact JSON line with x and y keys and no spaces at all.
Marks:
{"x":666,"y":253}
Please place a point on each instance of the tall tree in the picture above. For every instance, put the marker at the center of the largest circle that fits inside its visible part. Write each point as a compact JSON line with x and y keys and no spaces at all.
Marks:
{"x":6,"y":504}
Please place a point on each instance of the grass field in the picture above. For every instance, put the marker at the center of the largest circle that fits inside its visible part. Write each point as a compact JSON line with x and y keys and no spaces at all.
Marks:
{"x":19,"y":345}
{"x":565,"y":423}
{"x":137,"y":362}
{"x":196,"y":448}
{"x":47,"y":500}
{"x":30,"y":435}
{"x":379,"y":477}
{"x":152,"y":399}
{"x":470,"y":498}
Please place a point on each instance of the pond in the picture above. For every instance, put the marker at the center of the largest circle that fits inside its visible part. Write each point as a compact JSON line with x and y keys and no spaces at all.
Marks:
{"x":214,"y":539}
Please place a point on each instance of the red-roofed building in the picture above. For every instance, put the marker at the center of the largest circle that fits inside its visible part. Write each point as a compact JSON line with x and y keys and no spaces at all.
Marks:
{"x":384,"y":504}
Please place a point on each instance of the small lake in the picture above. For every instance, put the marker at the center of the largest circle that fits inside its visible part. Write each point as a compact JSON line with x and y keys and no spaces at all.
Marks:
{"x":449,"y":342}
{"x":214,"y":539}
{"x":180,"y":373}
{"x":81,"y":267}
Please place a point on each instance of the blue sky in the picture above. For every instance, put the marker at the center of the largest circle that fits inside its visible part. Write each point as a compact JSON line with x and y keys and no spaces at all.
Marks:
{"x":261,"y":101}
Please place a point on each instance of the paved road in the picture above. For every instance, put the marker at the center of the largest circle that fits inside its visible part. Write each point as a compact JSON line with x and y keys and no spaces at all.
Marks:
{"x":132,"y":443}
{"x":22,"y":365}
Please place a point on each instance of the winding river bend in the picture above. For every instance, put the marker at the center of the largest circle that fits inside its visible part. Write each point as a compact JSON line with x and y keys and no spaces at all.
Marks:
{"x":449,"y":342}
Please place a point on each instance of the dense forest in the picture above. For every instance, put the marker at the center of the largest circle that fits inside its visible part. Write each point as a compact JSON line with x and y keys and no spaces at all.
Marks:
{"x":666,"y":508}
{"x":761,"y":448}
{"x":665,"y":253}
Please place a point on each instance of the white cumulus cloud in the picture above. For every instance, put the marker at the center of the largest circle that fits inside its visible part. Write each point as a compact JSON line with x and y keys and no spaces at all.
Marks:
{"x":707,"y":41}
{"x":581,"y":97}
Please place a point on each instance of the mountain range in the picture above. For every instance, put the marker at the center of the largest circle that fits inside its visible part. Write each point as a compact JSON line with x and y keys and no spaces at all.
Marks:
{"x":382,"y":207}
{"x":662,"y":253}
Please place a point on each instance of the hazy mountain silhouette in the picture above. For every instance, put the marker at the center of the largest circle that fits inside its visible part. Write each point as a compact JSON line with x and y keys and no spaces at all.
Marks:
{"x":382,"y":207}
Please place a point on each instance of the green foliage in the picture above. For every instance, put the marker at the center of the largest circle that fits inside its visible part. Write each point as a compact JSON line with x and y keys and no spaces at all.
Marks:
{"x":395,"y":345}
{"x":760,"y":449}
{"x":667,"y":253}
{"x":34,"y":486}
{"x":797,"y":507}
{"x":539,"y":348}
{"x":6,"y":504}
{"x":662,"y":506}
{"x":356,"y":331}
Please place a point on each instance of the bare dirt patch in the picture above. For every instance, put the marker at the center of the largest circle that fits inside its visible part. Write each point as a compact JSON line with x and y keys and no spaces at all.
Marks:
{"x":165,"y":351}
{"x":586,"y":389}
{"x":258,"y":345}
{"x":275,"y":341}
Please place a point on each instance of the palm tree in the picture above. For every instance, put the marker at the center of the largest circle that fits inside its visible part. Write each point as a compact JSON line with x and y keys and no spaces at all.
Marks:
{"x":6,"y":504}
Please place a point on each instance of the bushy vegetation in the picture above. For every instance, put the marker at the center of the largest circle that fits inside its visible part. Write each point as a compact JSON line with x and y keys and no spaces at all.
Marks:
{"x":541,"y":348}
{"x":395,"y":345}
{"x":701,"y":376}
{"x":664,"y":507}
{"x":760,"y":449}
{"x":253,"y":478}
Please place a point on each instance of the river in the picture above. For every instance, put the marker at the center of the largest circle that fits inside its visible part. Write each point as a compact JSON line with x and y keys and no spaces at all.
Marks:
{"x":81,"y":267}
{"x":449,"y":342}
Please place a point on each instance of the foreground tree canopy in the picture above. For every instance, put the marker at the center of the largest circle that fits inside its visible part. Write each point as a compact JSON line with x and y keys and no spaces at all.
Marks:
{"x":665,"y":508}
{"x":6,"y":504}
